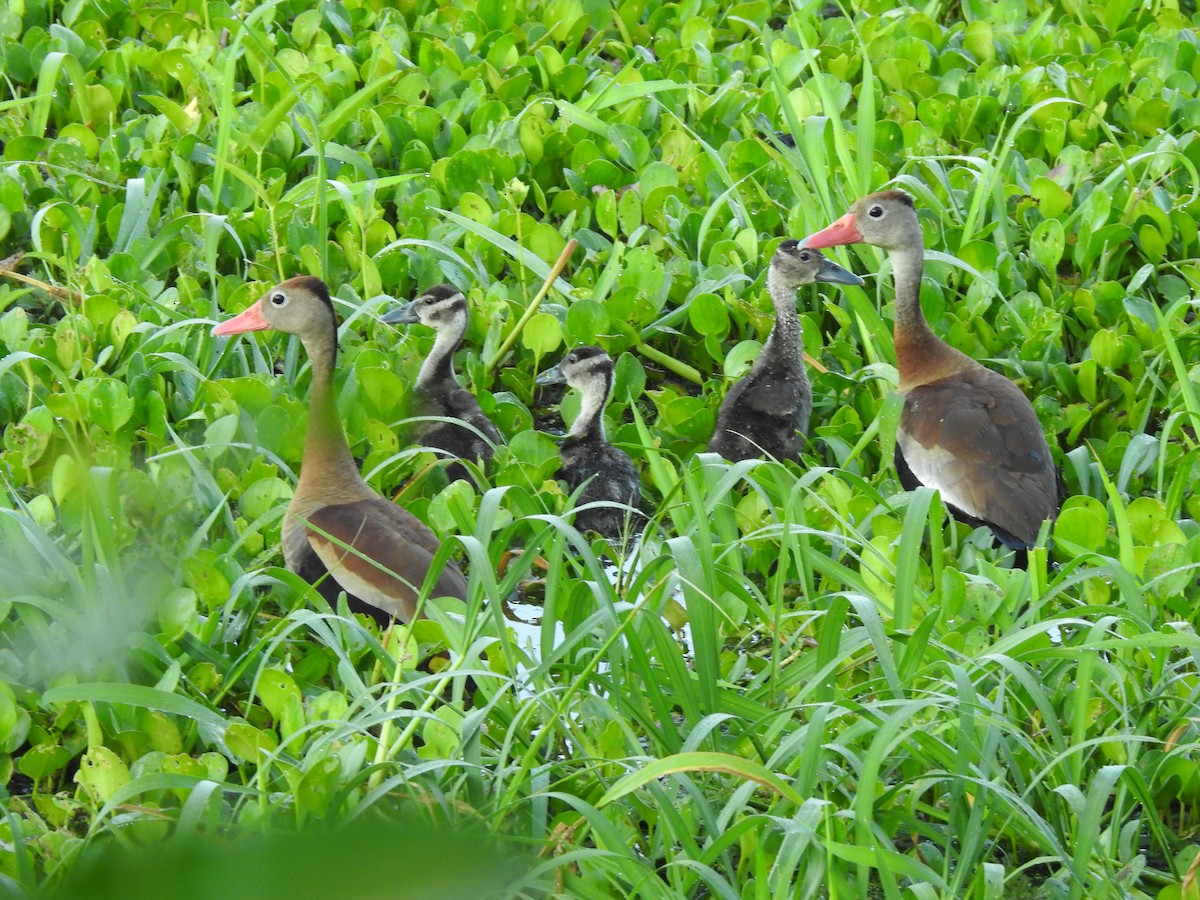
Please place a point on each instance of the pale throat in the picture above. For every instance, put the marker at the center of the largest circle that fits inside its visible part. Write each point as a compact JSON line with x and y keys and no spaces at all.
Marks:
{"x":435,"y":365}
{"x":591,"y":398}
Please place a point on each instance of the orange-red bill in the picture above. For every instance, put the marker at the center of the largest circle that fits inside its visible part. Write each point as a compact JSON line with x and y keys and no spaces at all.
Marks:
{"x":843,"y":231}
{"x":250,"y":320}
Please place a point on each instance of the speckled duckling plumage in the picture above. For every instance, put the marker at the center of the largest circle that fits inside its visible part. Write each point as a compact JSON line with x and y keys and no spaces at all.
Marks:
{"x":767,"y":412}
{"x":587,"y":456}
{"x":437,"y":391}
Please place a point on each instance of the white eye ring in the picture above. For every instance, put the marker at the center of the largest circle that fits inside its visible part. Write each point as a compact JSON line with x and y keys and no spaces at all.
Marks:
{"x":278,"y":298}
{"x":875,"y":212}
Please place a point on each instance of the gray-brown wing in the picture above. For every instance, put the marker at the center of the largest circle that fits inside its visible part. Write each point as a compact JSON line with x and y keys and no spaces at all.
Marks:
{"x":391,"y":554}
{"x":976,"y":438}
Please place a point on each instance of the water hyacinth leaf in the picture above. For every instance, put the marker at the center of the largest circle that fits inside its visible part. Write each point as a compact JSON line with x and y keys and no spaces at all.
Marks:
{"x":163,"y":734}
{"x":31,"y":437}
{"x":739,"y":360}
{"x":276,"y":689}
{"x":1083,"y":521}
{"x":264,"y":495}
{"x":381,"y":390}
{"x":1111,"y":349}
{"x":102,"y":773}
{"x":629,"y":212}
{"x":629,"y":378}
{"x":442,"y":734}
{"x":497,"y":15}
{"x":606,"y":213}
{"x":247,"y":742}
{"x":542,"y":334}
{"x":1153,"y":245}
{"x":328,"y":706}
{"x":219,"y":434}
{"x":708,"y":315}
{"x":175,"y":612}
{"x":1052,"y":198}
{"x":109,"y":404}
{"x":534,"y":448}
{"x":14,"y":326}
{"x":1149,"y":523}
{"x":586,"y":321}
{"x":546,"y":242}
{"x":1047,"y":243}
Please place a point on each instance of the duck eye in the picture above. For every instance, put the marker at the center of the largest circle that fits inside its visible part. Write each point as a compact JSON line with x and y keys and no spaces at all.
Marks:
{"x":805,"y":256}
{"x":875,"y":212}
{"x":278,"y":298}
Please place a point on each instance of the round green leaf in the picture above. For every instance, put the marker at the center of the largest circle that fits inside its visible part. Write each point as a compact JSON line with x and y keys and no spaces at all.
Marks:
{"x":1048,"y":242}
{"x":739,"y":360}
{"x":1083,"y":521}
{"x":42,"y":760}
{"x":102,"y":773}
{"x":586,"y":320}
{"x":542,"y":334}
{"x":264,"y":495}
{"x":709,"y":315}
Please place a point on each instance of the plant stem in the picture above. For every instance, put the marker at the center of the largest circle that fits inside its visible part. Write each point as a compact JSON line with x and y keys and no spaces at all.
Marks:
{"x":555,"y":271}
{"x":680,"y":368}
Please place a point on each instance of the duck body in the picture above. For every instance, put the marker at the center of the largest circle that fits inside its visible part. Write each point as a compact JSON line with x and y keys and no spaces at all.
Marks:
{"x":437,"y":391}
{"x":609,"y":474}
{"x":338,"y":533}
{"x":965,"y":430}
{"x":767,"y":412}
{"x":980,"y":426}
{"x":606,"y":473}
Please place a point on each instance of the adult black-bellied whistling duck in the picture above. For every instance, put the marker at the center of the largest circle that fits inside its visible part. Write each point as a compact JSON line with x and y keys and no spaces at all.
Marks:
{"x":444,"y":308}
{"x":767,"y":412}
{"x":587,"y":456}
{"x":965,"y":430}
{"x":332,"y":506}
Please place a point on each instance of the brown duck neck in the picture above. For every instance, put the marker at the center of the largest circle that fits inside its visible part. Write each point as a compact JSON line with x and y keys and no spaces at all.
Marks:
{"x":921,"y":356}
{"x":326,"y":453}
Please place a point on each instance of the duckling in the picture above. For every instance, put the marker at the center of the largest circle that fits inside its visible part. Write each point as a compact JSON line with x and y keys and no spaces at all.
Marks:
{"x":438,"y":393}
{"x":338,"y":532}
{"x":767,"y":412}
{"x":587,"y":456}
